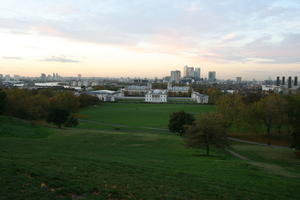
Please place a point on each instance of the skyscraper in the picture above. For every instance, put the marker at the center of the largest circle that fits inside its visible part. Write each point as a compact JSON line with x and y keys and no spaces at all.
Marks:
{"x":212,"y":76}
{"x":238,"y":79}
{"x":175,"y":76}
{"x":186,"y":71}
{"x":197,"y":73}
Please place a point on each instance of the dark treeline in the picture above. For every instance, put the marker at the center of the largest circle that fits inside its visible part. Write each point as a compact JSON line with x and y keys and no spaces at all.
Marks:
{"x":55,"y":106}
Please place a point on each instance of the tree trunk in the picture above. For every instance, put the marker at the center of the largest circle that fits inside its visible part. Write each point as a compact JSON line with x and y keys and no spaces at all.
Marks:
{"x":207,"y":149}
{"x":269,"y":134}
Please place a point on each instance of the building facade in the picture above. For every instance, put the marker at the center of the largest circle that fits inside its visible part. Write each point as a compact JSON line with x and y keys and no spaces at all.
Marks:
{"x":156,"y":96}
{"x":200,"y":98}
{"x":175,"y":76}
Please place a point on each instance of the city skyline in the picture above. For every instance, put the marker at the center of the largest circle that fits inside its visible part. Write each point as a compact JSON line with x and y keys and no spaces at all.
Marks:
{"x":114,"y":38}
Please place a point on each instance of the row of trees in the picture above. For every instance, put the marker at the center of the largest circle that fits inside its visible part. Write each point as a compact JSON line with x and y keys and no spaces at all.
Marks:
{"x":275,"y":114}
{"x":57,"y":107}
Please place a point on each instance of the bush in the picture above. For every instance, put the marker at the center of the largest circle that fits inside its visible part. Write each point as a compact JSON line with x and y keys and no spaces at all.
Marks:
{"x":178,"y":121}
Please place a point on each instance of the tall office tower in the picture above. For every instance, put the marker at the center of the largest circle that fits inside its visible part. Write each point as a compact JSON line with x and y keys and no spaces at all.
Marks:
{"x":283,"y":81}
{"x":79,"y":77}
{"x":238,"y":79}
{"x":296,"y":81}
{"x":1,"y":76}
{"x":186,"y":71}
{"x":290,"y":82}
{"x":278,"y":81}
{"x":191,"y":72}
{"x":53,"y":76}
{"x":175,"y":76}
{"x":197,"y":73}
{"x":212,"y":76}
{"x":43,"y":77}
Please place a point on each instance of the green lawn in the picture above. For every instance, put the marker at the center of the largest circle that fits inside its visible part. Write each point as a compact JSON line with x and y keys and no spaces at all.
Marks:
{"x":105,"y":164}
{"x":136,"y":116}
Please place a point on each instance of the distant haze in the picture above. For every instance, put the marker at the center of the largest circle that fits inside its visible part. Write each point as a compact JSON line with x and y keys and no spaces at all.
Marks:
{"x":142,"y":38}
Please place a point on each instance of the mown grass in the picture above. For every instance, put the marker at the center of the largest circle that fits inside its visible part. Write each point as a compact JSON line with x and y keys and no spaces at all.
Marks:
{"x":104,"y":164}
{"x":137,"y":115}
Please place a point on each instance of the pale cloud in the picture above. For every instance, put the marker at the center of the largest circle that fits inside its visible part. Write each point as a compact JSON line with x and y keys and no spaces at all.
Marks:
{"x":62,"y":59}
{"x":12,"y":58}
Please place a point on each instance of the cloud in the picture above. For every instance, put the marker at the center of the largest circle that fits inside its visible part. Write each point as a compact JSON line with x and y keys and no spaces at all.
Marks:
{"x":61,"y":59}
{"x":12,"y":58}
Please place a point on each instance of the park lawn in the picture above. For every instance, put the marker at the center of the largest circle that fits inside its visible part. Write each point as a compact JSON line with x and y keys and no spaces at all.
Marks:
{"x":103,"y":164}
{"x":137,"y":115}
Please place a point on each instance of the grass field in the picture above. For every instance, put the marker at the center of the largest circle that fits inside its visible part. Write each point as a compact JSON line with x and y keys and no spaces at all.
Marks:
{"x":95,"y":163}
{"x":137,"y":116}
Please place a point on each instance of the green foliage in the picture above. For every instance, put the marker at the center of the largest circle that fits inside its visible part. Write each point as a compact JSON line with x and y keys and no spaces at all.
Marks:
{"x":72,"y":121}
{"x":178,"y":121}
{"x":86,"y":100}
{"x":294,"y":119}
{"x":65,"y":100}
{"x":213,"y":94}
{"x":231,"y":107}
{"x":58,"y":116}
{"x":2,"y":100}
{"x":209,"y":130}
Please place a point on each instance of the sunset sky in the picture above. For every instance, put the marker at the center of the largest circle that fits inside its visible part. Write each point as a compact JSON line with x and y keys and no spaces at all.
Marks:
{"x":148,"y":38}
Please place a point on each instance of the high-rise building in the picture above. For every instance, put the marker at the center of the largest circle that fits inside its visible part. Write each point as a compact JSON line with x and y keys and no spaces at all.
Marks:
{"x":186,"y":71}
{"x":283,"y":80}
{"x":1,"y":76}
{"x":290,"y":82}
{"x":191,"y":72}
{"x":238,"y":79}
{"x":79,"y":76}
{"x":278,"y":81}
{"x":212,"y":76}
{"x":296,"y":81}
{"x":43,"y":77}
{"x":197,"y":73}
{"x":175,"y":76}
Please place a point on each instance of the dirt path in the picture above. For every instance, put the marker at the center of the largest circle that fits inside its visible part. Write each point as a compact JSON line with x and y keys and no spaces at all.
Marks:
{"x":256,"y":143}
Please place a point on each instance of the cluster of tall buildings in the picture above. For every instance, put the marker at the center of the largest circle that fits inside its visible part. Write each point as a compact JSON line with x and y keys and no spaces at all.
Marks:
{"x":54,"y":77}
{"x":192,"y":73}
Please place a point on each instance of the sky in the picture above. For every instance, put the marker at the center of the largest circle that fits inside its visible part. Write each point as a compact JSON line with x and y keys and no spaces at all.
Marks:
{"x":255,"y":39}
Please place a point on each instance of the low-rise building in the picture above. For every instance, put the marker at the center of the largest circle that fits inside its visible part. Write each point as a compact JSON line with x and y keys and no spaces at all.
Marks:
{"x":156,"y":96}
{"x":106,"y":95}
{"x":200,"y":98}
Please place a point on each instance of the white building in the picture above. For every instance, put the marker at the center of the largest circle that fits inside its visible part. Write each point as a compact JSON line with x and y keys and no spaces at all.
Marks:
{"x":156,"y":96}
{"x":183,"y":89}
{"x":107,"y":95}
{"x":200,"y":98}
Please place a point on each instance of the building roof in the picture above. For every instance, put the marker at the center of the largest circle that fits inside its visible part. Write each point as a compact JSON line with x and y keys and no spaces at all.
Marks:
{"x":157,"y":92}
{"x":111,"y":92}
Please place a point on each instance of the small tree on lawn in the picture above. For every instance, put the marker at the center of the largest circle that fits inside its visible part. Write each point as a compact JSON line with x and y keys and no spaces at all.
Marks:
{"x":178,"y":121}
{"x":58,"y":116}
{"x":209,"y":130}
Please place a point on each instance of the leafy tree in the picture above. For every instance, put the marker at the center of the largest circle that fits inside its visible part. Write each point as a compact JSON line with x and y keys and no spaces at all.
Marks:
{"x":209,"y":130}
{"x":293,"y":111}
{"x":269,"y":111}
{"x":178,"y":121}
{"x":213,"y":94}
{"x":2,"y":100}
{"x":231,"y":107}
{"x":58,"y":116}
{"x":87,"y":100}
{"x":72,"y":121}
{"x":65,"y":100}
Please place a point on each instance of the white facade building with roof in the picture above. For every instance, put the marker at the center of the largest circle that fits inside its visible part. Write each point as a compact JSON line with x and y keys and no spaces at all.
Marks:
{"x":156,"y":96}
{"x":200,"y":98}
{"x":107,"y":95}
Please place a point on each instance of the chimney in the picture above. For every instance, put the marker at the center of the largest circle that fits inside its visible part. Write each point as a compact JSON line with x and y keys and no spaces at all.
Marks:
{"x":290,"y":82}
{"x":278,"y":81}
{"x":296,"y":81}
{"x":283,"y":80}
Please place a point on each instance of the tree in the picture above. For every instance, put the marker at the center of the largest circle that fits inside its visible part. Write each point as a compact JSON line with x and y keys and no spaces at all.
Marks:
{"x":293,"y":111}
{"x":58,"y":116}
{"x":213,"y":94}
{"x":87,"y":100}
{"x":231,"y":107}
{"x":72,"y":121}
{"x":178,"y":121}
{"x":209,"y":130}
{"x":65,"y":100}
{"x":269,"y":111}
{"x":2,"y":100}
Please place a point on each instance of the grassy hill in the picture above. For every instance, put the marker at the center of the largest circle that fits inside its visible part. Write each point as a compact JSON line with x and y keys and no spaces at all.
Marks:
{"x":107,"y":164}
